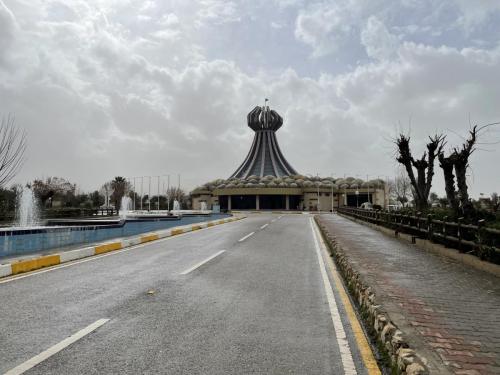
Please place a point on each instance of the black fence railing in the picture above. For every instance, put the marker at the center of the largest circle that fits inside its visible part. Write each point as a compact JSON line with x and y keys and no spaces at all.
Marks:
{"x":70,"y":212}
{"x":474,"y":239}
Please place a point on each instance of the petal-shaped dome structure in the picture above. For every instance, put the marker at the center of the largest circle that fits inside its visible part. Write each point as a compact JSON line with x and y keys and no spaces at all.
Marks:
{"x":265,"y":157}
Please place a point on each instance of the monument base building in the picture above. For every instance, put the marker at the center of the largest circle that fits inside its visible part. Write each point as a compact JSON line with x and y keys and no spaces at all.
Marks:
{"x":266,"y":181}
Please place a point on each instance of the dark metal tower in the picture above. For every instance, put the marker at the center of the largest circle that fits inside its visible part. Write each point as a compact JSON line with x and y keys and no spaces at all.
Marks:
{"x":265,"y":157}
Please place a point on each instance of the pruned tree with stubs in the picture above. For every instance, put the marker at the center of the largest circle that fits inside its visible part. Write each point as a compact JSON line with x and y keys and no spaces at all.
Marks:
{"x":455,"y":167}
{"x":424,"y":167}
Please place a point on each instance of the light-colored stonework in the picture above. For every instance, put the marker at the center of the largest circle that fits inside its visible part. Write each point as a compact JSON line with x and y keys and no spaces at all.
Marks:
{"x":330,"y":192}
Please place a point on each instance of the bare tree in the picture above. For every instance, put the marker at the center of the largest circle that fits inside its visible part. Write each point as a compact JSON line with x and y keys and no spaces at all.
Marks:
{"x":454,"y":166}
{"x":12,"y":149}
{"x":400,"y":188}
{"x":422,"y":182}
{"x":446,"y":164}
{"x":106,"y":191}
{"x":175,"y":193}
{"x":52,"y":186}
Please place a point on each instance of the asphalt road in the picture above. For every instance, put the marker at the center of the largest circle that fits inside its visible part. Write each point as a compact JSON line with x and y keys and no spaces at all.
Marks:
{"x":258,"y":306}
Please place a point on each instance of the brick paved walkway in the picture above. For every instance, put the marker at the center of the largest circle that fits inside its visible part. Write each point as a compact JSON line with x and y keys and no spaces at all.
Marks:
{"x":451,"y":311}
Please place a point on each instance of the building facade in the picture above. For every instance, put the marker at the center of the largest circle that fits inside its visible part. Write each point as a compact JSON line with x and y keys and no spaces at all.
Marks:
{"x":266,"y":180}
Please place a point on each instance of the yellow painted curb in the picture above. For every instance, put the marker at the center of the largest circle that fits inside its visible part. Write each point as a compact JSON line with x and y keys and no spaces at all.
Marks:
{"x":362,"y":342}
{"x":33,"y":264}
{"x":52,"y":260}
{"x":108,"y":247}
{"x":149,"y":237}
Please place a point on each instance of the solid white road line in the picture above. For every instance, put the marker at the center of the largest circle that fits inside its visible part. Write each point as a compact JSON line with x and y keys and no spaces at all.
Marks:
{"x":30,"y":363}
{"x":202,"y":262}
{"x":244,"y":238}
{"x":345,"y":350}
{"x":265,"y":225}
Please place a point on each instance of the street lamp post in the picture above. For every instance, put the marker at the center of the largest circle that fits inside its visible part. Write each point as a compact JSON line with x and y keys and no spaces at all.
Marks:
{"x":357,"y":200}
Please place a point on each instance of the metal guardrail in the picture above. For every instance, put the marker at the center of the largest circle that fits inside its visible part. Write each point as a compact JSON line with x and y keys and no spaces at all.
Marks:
{"x":474,"y":239}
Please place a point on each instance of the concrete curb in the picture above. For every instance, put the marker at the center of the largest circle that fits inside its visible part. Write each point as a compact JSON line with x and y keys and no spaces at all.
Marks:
{"x":32,"y":264}
{"x":390,"y":339}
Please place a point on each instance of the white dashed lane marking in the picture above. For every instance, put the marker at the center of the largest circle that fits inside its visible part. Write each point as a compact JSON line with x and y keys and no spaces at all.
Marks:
{"x":197,"y":265}
{"x":244,"y":238}
{"x":30,"y":363}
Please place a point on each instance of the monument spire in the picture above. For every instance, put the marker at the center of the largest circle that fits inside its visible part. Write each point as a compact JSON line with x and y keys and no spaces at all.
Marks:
{"x":265,"y":157}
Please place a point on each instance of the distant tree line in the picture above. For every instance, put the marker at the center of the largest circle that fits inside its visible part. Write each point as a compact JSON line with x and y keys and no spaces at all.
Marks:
{"x":58,"y":193}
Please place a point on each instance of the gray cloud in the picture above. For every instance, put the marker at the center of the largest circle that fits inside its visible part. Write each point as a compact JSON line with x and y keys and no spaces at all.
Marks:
{"x":8,"y":28}
{"x":379,"y":42}
{"x":112,"y":87}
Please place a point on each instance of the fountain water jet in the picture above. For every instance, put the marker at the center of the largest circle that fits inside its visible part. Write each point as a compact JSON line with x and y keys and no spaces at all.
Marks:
{"x":27,"y":214}
{"x":177,"y":206}
{"x":126,"y":206}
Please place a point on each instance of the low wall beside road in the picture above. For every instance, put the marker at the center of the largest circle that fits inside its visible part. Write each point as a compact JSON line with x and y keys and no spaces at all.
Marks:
{"x":29,"y":240}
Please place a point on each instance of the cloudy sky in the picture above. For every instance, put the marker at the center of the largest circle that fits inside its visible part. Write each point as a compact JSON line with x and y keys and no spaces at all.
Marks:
{"x":135,"y":87}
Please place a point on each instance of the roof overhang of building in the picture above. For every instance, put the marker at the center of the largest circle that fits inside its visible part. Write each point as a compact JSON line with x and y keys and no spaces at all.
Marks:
{"x":258,"y":191}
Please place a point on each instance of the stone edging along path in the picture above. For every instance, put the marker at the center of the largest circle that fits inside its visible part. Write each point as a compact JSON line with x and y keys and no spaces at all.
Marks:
{"x":31,"y":264}
{"x":391,"y":341}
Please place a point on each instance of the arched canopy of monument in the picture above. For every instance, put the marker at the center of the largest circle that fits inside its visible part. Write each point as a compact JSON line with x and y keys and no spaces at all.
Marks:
{"x":265,"y":157}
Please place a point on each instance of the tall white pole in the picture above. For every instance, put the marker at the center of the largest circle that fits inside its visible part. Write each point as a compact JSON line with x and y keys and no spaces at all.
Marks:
{"x":142,"y":190}
{"x":134,"y":193}
{"x":149,"y":195}
{"x":168,"y":192}
{"x":179,"y":188}
{"x":158,"y":195}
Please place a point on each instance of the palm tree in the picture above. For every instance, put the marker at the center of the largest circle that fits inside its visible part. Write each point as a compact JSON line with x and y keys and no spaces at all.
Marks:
{"x":120,"y":187}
